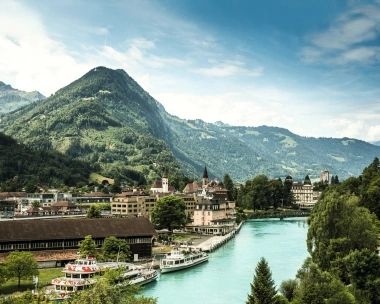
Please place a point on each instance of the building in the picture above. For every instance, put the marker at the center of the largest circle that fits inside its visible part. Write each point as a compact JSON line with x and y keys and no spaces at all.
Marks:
{"x":162,"y":186}
{"x":138,"y":203}
{"x":61,"y":237}
{"x":303,"y":193}
{"x":15,"y":197}
{"x":214,"y":213}
{"x":324,"y":176}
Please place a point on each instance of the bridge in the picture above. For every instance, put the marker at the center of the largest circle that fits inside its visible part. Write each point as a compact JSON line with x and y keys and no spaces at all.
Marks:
{"x":278,"y":214}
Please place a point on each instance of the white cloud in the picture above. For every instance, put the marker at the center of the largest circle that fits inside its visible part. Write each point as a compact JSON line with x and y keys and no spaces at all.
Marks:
{"x":229,"y":69}
{"x":343,"y":42}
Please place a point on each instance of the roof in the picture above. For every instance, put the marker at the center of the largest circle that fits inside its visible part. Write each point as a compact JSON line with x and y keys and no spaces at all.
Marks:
{"x":205,"y":174}
{"x":97,"y":194}
{"x":64,"y":204}
{"x":52,"y":229}
{"x":11,"y":194}
{"x":157,"y":184}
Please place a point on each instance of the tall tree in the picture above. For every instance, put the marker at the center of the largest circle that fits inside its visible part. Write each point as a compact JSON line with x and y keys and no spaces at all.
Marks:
{"x":228,"y":184}
{"x":363,"y":268}
{"x":114,"y":248}
{"x":87,"y":247}
{"x":169,"y":213}
{"x":93,"y":211}
{"x":320,"y":287}
{"x":263,"y":289}
{"x":337,"y":226}
{"x":288,"y":288}
{"x":20,"y":265}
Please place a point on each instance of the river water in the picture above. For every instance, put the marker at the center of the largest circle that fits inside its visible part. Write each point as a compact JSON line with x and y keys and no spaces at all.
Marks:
{"x":226,"y":277}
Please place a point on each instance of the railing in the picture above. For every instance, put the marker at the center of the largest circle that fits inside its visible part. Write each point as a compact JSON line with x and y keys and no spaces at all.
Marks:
{"x":278,"y":214}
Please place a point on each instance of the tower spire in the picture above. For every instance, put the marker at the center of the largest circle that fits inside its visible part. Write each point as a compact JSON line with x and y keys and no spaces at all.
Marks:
{"x":205,"y":177}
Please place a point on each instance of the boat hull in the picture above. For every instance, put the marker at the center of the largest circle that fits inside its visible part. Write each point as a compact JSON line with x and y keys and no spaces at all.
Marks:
{"x":184,"y":266}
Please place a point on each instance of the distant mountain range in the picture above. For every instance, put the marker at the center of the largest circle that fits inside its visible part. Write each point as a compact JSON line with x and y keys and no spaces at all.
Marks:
{"x":12,"y":99}
{"x":105,"y":117}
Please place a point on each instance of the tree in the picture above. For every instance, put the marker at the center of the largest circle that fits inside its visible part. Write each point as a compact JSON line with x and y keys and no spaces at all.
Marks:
{"x":263,"y":289}
{"x":36,"y":204}
{"x":320,"y":287}
{"x":228,"y":184}
{"x":87,"y":247}
{"x":31,"y":188}
{"x":363,"y":268}
{"x":114,"y":248}
{"x":93,"y":212}
{"x":288,"y":288}
{"x":337,"y":226}
{"x":169,"y":213}
{"x":20,"y":265}
{"x":3,"y":274}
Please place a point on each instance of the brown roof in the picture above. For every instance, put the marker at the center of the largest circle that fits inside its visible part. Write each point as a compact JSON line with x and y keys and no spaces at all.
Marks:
{"x":132,"y":193}
{"x":64,"y":204}
{"x":49,"y":255}
{"x":97,"y":194}
{"x":157,"y":184}
{"x":74,"y":228}
{"x":12,"y":194}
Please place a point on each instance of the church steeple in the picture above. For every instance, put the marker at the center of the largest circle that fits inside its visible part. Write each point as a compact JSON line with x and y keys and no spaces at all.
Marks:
{"x":165,"y":182}
{"x":205,"y":177}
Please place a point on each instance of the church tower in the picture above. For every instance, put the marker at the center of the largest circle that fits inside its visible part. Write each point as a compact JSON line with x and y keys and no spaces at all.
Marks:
{"x":165,"y":182}
{"x":205,"y":177}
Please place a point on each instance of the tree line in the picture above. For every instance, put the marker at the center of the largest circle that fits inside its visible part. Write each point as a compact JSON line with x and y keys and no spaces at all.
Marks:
{"x":342,"y":240}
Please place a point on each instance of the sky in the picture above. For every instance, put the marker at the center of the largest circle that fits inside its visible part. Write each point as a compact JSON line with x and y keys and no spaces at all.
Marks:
{"x":312,"y":67}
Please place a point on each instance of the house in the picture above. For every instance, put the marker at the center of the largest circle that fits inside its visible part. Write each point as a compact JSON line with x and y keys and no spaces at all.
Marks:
{"x":59,"y":237}
{"x":65,"y":207}
{"x":214,"y":214}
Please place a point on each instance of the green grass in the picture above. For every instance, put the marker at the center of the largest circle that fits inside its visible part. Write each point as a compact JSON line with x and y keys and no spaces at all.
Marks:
{"x":44,"y":278}
{"x":99,"y":178}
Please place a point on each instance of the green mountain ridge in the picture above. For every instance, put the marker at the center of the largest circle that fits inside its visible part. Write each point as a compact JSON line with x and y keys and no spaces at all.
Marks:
{"x":20,"y":165}
{"x":91,"y":119}
{"x":105,"y":117}
{"x":12,"y":99}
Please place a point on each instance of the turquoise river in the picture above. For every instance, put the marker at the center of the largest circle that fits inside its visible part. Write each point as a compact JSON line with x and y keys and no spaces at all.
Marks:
{"x":226,"y":277}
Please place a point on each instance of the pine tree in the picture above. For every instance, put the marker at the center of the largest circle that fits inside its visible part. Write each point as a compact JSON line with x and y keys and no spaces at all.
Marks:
{"x":263,"y":290}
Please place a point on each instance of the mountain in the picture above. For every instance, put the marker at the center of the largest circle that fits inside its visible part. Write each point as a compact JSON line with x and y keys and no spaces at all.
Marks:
{"x":12,"y":99}
{"x":21,"y":165}
{"x":105,"y":117}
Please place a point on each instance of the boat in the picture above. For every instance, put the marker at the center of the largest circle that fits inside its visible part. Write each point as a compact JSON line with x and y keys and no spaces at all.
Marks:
{"x":181,"y":259}
{"x":84,"y":272}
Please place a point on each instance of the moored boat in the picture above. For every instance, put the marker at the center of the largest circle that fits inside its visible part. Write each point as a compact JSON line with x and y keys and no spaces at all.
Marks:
{"x":86,"y":271}
{"x":178,"y":260}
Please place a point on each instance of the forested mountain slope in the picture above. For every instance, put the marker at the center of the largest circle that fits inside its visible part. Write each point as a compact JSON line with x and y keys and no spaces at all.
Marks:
{"x":105,"y":117}
{"x":12,"y":99}
{"x":245,"y":152}
{"x":21,"y":165}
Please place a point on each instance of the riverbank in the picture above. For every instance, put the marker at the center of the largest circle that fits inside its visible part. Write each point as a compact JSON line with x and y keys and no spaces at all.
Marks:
{"x":227,"y":276}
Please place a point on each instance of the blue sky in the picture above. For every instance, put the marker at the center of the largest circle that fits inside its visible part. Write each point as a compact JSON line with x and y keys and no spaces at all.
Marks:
{"x":312,"y":67}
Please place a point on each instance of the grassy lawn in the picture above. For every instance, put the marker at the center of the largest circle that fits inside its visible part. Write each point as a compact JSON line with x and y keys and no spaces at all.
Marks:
{"x":99,"y":178}
{"x":44,"y":278}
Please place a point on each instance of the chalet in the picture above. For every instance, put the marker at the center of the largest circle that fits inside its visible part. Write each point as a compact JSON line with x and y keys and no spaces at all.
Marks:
{"x":61,"y":237}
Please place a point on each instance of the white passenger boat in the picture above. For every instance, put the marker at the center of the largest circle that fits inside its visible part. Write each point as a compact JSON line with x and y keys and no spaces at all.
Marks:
{"x":178,"y":260}
{"x":85,"y":272}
